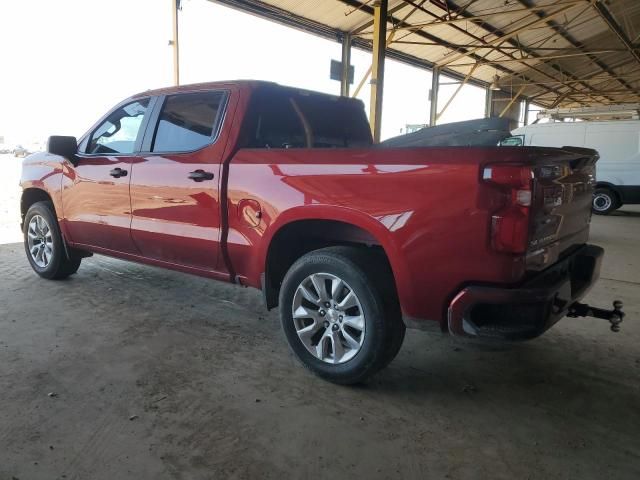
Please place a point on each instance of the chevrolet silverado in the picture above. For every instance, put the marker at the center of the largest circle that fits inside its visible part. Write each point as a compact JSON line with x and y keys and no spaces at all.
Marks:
{"x":283,"y":190}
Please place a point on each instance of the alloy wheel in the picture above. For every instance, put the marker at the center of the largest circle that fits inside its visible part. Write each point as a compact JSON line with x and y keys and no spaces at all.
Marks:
{"x":40,"y":241}
{"x":328,"y":318}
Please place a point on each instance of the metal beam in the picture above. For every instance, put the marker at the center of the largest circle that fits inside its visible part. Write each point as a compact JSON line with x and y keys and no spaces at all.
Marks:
{"x":596,"y":79}
{"x":435,"y":87}
{"x":511,"y":102}
{"x":480,"y":18}
{"x":358,"y":30}
{"x":488,"y":102}
{"x":346,"y":63}
{"x":491,"y":29}
{"x":452,"y":73}
{"x":509,"y":35}
{"x":380,"y":9}
{"x":286,"y":17}
{"x":604,"y":12}
{"x":560,"y":30}
{"x":175,"y":5}
{"x":532,"y":59}
{"x":451,"y":6}
{"x":462,"y":84}
{"x":387,"y":43}
{"x":501,"y":47}
{"x":391,"y":53}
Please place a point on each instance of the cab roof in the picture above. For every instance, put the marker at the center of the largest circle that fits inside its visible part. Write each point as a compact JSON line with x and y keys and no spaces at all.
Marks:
{"x":248,"y":84}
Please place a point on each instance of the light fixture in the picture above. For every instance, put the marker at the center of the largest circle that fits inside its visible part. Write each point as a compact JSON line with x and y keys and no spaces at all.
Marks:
{"x":494,"y":83}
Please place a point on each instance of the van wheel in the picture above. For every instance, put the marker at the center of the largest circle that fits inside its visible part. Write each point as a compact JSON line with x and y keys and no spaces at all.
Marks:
{"x":43,"y":244}
{"x":605,"y":201}
{"x":334,"y":316}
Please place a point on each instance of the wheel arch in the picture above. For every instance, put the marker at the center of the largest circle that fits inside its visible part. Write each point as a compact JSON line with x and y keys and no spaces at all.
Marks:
{"x":30,"y":196}
{"x":298,"y":234}
{"x":614,"y":189}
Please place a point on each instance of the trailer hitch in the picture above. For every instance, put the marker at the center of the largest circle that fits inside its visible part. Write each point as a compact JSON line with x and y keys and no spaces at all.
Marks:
{"x":614,"y":316}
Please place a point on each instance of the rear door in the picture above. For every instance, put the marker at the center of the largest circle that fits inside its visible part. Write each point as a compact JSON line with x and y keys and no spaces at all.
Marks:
{"x":175,"y":187}
{"x":96,"y":203}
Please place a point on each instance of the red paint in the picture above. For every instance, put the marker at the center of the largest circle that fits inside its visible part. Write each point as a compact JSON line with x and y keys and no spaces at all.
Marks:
{"x":427,"y":207}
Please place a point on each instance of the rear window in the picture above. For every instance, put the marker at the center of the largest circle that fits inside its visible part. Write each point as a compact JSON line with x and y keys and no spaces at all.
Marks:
{"x":188,"y":121}
{"x":292,"y":119}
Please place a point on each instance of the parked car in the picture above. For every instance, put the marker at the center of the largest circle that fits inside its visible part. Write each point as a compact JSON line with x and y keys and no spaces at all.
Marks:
{"x":617,"y":142}
{"x":281,"y":189}
{"x":20,"y":151}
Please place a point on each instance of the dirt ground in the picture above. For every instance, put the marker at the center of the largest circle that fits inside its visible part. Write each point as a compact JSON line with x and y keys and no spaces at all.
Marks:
{"x":132,"y":372}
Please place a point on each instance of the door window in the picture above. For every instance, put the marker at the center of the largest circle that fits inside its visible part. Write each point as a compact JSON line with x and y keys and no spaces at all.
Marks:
{"x":188,"y":121}
{"x":119,"y":132}
{"x":272,"y":122}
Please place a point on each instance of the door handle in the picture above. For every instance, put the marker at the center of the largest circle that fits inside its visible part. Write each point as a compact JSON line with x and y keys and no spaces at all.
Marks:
{"x":200,"y":176}
{"x":118,"y":172}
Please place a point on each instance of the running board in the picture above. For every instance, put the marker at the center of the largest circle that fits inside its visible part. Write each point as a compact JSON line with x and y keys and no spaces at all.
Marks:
{"x":614,"y":317}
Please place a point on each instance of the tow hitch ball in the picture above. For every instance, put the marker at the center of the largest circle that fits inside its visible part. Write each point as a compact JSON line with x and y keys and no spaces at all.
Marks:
{"x":614,"y":316}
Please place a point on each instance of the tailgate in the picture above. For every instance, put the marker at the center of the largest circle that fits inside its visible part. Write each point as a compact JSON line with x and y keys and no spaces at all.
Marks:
{"x":564,"y":180}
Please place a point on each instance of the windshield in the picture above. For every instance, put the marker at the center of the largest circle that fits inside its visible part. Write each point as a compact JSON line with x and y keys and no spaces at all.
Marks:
{"x":516,"y":141}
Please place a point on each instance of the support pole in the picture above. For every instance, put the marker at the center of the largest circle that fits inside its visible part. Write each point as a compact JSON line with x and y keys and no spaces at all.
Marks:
{"x":377,"y":67}
{"x":389,"y":40}
{"x":435,"y":86}
{"x":346,"y":63}
{"x":175,"y":4}
{"x":527,"y":104}
{"x":488,"y":104}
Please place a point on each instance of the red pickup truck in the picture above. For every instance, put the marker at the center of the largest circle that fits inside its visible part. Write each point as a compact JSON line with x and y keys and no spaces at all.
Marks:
{"x":281,"y":189}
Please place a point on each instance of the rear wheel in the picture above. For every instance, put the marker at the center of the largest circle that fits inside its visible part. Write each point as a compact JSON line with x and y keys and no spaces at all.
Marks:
{"x":44,"y":245}
{"x":605,"y":201}
{"x":335,"y":317}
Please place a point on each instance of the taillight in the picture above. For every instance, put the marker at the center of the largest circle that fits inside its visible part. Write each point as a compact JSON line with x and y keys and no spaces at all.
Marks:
{"x":510,"y":224}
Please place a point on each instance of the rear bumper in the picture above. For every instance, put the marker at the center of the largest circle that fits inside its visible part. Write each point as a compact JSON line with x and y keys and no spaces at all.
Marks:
{"x":530,"y":309}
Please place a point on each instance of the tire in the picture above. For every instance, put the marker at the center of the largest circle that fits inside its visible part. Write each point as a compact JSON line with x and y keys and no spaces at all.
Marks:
{"x":42,"y":237}
{"x":371,"y":335}
{"x":605,"y":201}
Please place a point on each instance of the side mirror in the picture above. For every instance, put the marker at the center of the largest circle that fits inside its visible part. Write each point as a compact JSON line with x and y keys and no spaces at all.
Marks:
{"x":66,"y":147}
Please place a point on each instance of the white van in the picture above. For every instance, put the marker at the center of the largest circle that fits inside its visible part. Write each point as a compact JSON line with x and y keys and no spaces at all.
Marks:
{"x":617,"y":142}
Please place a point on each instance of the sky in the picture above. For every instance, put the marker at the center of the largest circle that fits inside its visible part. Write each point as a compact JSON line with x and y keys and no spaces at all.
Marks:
{"x":67,"y":62}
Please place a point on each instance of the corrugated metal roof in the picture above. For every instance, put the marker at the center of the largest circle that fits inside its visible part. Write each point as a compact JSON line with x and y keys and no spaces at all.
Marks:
{"x":559,"y":53}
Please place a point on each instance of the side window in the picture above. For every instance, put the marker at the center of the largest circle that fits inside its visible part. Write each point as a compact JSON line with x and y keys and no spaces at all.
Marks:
{"x":272,"y":122}
{"x":82,"y":148}
{"x":188,"y":121}
{"x":118,"y":133}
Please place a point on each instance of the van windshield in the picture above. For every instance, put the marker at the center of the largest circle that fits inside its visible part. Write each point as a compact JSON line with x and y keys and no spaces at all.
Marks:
{"x":516,"y":141}
{"x":288,"y":118}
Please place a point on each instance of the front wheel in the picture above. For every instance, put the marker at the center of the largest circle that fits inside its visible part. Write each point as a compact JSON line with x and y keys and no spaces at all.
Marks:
{"x":44,"y":245}
{"x":333,"y":313}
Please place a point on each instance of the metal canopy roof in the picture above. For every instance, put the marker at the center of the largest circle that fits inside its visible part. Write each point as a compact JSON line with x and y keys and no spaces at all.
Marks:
{"x":557,"y":53}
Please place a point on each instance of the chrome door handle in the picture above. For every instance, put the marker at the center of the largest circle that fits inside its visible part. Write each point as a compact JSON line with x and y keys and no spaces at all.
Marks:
{"x":118,"y":172}
{"x":200,"y":176}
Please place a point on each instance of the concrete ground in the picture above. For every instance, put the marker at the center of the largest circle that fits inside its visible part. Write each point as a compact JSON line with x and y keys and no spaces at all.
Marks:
{"x":132,"y":372}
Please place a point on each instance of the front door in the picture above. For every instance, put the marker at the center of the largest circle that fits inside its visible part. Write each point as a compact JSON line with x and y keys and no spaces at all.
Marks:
{"x":96,"y":202}
{"x":175,"y":187}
